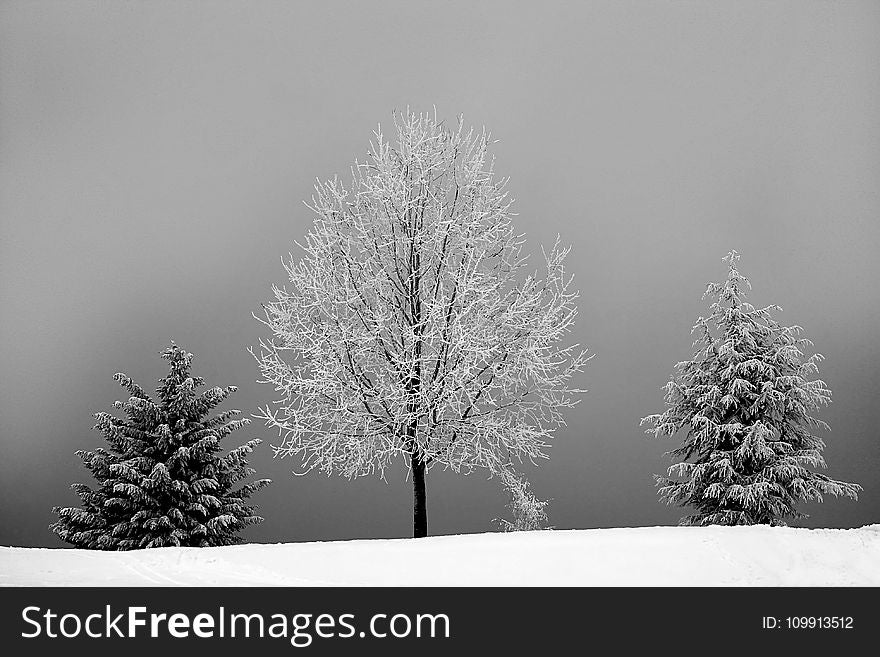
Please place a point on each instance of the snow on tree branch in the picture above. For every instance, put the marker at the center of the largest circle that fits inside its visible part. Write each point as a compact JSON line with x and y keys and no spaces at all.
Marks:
{"x":744,"y":405}
{"x":409,"y":325}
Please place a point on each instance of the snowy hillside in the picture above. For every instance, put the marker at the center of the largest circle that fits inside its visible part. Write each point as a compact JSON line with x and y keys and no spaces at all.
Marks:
{"x":694,"y":556}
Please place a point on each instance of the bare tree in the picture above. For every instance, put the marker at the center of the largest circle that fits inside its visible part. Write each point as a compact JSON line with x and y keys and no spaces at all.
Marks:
{"x":410,"y":327}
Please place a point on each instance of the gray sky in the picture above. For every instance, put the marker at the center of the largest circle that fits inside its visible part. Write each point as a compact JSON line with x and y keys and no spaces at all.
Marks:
{"x":154,"y":158}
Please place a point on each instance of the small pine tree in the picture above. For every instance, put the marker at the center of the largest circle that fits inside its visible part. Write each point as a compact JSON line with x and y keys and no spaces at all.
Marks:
{"x":528,"y":511}
{"x":163,"y":482}
{"x":745,"y":402}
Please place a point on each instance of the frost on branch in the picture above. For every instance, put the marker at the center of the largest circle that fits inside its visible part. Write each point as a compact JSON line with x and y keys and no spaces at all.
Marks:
{"x":528,"y":511}
{"x":409,"y":325}
{"x":744,"y":404}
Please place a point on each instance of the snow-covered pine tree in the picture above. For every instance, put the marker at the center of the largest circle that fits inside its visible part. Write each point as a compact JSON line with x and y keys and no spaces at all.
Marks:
{"x":529,"y":513}
{"x":163,"y":482}
{"x":744,"y":402}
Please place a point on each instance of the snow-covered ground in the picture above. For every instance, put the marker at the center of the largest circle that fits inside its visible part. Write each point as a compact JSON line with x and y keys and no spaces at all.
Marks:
{"x":661,"y":556}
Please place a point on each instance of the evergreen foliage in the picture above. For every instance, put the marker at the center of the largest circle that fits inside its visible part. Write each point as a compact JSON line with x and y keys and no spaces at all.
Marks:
{"x":744,"y":403}
{"x":163,"y":482}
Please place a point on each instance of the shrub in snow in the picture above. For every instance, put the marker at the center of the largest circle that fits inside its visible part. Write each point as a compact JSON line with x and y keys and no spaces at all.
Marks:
{"x":528,"y":511}
{"x":163,"y":481}
{"x":744,"y":404}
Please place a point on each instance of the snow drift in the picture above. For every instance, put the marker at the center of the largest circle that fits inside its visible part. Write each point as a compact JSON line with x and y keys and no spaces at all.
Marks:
{"x":645,"y":556}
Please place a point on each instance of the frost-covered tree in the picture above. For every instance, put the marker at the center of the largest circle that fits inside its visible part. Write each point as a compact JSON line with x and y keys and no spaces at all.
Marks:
{"x":163,"y":481}
{"x":410,"y":327}
{"x":529,"y":513}
{"x":745,"y":403}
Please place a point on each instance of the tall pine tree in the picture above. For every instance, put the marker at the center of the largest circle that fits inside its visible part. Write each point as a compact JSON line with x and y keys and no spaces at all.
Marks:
{"x":163,"y":481}
{"x":744,"y":403}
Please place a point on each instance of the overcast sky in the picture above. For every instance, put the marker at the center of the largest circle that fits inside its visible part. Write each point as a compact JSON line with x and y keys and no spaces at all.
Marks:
{"x":154,"y":159}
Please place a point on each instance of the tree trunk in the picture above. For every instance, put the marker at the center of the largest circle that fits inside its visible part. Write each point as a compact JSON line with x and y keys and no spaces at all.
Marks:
{"x":420,"y":509}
